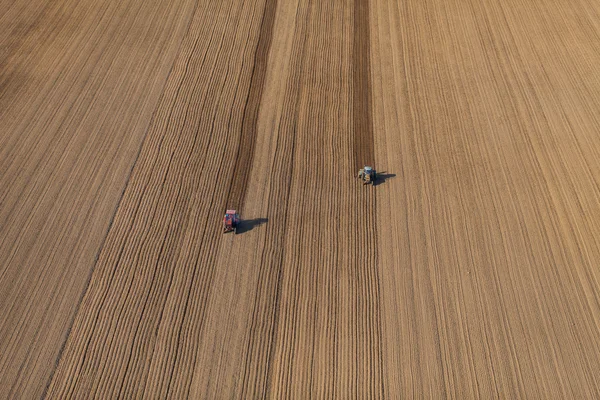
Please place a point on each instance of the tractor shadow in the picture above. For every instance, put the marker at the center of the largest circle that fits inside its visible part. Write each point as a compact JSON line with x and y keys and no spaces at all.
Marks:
{"x":382,"y":177}
{"x":249,"y":224}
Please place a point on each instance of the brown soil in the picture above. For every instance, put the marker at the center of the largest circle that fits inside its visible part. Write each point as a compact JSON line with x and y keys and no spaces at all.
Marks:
{"x":469,"y":271}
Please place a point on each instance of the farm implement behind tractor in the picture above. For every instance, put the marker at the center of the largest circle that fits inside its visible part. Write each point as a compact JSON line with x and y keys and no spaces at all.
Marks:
{"x":231,"y":221}
{"x":367,"y":175}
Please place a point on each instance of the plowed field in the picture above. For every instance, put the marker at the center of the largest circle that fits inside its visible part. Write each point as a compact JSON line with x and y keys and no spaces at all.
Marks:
{"x":470,"y":270}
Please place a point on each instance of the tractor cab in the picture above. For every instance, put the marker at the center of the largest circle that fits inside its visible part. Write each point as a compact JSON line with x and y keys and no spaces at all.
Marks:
{"x":367,"y":175}
{"x":231,"y":220}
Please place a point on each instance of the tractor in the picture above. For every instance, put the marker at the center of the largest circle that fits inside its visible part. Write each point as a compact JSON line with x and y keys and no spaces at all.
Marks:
{"x":231,"y":221}
{"x":368,"y":175}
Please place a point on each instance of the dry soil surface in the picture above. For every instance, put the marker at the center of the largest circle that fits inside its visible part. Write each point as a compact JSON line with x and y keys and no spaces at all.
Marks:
{"x":470,"y":270}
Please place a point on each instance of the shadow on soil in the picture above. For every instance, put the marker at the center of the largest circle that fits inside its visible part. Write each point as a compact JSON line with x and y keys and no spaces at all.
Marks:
{"x":382,"y":177}
{"x":249,"y":224}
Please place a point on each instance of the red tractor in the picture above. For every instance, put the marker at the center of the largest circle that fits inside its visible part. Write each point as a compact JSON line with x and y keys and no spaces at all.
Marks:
{"x":231,"y":221}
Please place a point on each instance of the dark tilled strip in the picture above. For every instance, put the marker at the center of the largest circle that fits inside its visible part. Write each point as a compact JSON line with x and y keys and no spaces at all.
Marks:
{"x":364,"y":149}
{"x":257,"y":380}
{"x":243,"y":162}
{"x":364,"y":154}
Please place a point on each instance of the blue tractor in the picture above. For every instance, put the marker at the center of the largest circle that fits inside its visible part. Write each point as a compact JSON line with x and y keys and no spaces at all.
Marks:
{"x":367,"y":175}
